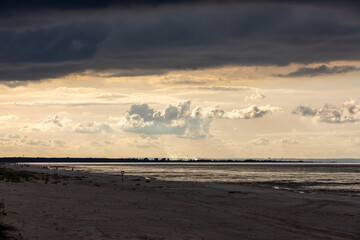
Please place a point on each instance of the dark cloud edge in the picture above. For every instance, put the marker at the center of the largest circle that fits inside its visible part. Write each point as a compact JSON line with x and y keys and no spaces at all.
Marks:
{"x":317,"y":71}
{"x":26,"y":5}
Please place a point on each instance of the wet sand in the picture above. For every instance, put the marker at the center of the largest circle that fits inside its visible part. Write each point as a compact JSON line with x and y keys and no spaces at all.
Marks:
{"x":99,"y":206}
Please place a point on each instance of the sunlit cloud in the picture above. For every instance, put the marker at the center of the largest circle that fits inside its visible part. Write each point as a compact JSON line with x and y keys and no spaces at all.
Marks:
{"x":182,"y":120}
{"x":92,"y":128}
{"x":260,"y":141}
{"x":114,"y":81}
{"x":348,"y":112}
{"x":8,"y":118}
{"x":289,"y":141}
{"x":257,"y":95}
{"x":252,"y":111}
{"x":50,"y":124}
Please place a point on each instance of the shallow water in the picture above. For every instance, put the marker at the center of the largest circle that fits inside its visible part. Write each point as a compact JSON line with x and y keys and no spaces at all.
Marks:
{"x":336,"y":178}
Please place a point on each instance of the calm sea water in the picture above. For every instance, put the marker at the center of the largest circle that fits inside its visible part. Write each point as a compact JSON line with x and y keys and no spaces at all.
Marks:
{"x":336,"y":178}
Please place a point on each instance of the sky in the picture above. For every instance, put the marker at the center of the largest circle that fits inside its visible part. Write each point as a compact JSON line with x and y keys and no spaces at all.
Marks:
{"x":180,"y":78}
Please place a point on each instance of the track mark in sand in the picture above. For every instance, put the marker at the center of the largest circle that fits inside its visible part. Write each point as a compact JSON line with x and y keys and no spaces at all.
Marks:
{"x":328,"y":233}
{"x":313,"y":231}
{"x":239,"y":192}
{"x":103,"y":233}
{"x":316,"y":204}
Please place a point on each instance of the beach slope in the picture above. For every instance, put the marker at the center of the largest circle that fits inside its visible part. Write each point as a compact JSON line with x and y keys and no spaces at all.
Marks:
{"x":76,"y":205}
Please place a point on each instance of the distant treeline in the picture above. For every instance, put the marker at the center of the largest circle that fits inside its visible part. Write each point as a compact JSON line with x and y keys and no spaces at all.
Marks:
{"x":125,"y":160}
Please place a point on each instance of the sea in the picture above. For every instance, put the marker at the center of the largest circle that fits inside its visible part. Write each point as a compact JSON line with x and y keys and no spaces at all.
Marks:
{"x":331,"y":178}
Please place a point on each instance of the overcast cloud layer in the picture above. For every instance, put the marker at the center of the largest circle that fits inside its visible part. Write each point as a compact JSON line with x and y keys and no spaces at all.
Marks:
{"x":38,"y":43}
{"x":25,"y":5}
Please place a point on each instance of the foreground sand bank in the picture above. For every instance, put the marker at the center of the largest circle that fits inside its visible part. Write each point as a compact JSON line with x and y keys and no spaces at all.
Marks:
{"x":97,"y":206}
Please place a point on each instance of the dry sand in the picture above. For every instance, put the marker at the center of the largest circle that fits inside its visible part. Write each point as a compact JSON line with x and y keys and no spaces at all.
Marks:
{"x":102,"y":207}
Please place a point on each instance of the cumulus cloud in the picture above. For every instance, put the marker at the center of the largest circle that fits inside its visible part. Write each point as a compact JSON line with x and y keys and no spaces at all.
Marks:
{"x":33,"y":142}
{"x":348,"y":112}
{"x":183,"y":121}
{"x":143,"y":119}
{"x":253,"y":111}
{"x":4,"y":140}
{"x":321,"y":70}
{"x":92,"y":128}
{"x":57,"y":123}
{"x":257,"y":95}
{"x":263,"y":141}
{"x":355,"y":141}
{"x":7,"y":118}
{"x":260,"y":141}
{"x":59,"y":143}
{"x":14,"y":136}
{"x":144,"y":141}
{"x":289,"y":141}
{"x":17,"y":143}
{"x":50,"y":123}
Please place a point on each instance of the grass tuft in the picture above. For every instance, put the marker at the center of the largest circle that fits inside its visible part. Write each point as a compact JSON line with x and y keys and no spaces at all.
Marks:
{"x":4,"y":229}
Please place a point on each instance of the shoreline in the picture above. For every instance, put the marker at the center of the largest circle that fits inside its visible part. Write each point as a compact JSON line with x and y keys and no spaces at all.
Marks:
{"x":100,"y":206}
{"x":279,"y":184}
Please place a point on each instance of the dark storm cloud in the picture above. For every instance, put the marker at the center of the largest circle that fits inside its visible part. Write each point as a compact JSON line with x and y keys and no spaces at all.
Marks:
{"x":56,"y":44}
{"x":43,"y":44}
{"x":321,"y":70}
{"x":23,"y":5}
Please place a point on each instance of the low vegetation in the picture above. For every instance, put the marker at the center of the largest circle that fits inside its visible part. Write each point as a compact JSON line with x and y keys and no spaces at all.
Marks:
{"x":20,"y":176}
{"x":10,"y":175}
{"x":16,"y":176}
{"x":4,"y":229}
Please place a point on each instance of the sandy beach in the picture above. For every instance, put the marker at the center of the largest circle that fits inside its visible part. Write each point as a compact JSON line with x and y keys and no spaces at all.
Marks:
{"x":78,"y":205}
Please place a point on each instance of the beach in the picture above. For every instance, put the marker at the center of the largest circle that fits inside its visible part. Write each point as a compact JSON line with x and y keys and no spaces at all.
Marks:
{"x":81,"y":205}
